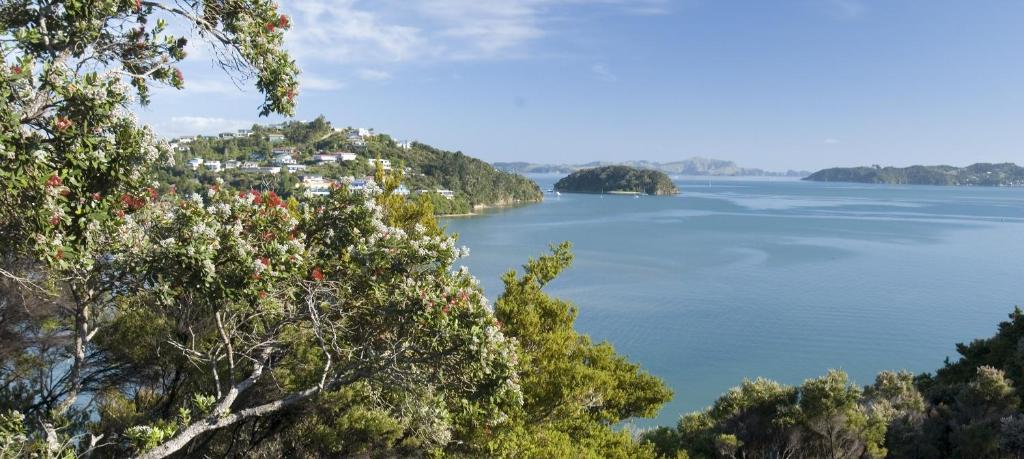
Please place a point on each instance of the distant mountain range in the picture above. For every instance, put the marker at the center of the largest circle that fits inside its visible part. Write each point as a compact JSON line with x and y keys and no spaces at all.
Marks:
{"x":980,"y":174}
{"x":692,"y":166}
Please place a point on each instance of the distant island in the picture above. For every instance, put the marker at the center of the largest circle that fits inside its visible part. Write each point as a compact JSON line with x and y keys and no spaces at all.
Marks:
{"x":617,"y":180}
{"x":980,"y":174}
{"x":691,"y":166}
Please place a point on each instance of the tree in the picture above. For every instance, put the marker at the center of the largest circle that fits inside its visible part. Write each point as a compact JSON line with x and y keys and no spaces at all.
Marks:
{"x":72,"y":157}
{"x":574,"y":391}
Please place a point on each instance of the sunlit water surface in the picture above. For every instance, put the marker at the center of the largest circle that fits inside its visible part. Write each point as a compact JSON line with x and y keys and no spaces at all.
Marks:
{"x":778,"y":278}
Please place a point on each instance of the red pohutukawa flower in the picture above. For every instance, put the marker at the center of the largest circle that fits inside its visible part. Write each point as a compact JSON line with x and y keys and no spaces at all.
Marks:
{"x":53,"y":181}
{"x":63,"y":123}
{"x":97,"y":196}
{"x":131,"y":202}
{"x":265,"y":261}
{"x":282,"y":22}
{"x":152,"y":193}
{"x":291,"y":95}
{"x":270,"y":27}
{"x":273,"y":199}
{"x":317,"y":274}
{"x":16,"y":69}
{"x":178,"y":76}
{"x":55,"y":220}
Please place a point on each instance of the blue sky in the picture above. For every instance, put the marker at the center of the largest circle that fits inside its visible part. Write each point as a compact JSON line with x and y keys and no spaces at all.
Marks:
{"x":775,"y":84}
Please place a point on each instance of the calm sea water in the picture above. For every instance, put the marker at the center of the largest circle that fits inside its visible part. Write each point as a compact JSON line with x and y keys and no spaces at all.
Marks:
{"x":783,"y":279}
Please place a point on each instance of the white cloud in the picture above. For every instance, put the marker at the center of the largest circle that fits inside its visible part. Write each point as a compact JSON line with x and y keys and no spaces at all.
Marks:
{"x":831,"y":141}
{"x":311,"y":82}
{"x":337,"y":31}
{"x":603,"y":73}
{"x":214,"y":86}
{"x":373,"y":75}
{"x":188,"y":125}
{"x":361,"y":31}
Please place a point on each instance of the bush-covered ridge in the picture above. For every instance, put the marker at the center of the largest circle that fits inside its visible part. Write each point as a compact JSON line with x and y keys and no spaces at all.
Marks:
{"x":611,"y":179}
{"x":979,"y":174}
{"x":475,"y":183}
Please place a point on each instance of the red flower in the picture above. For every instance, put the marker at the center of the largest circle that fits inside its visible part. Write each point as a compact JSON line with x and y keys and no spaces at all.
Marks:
{"x":265,"y":261}
{"x":178,"y":76}
{"x":16,"y":69}
{"x":63,"y":123}
{"x":131,"y":202}
{"x":273,"y":199}
{"x":270,"y":27}
{"x":55,"y":220}
{"x":138,"y":5}
{"x":262,"y":294}
{"x":317,"y":274}
{"x":97,"y":196}
{"x":54,"y":181}
{"x":267,"y":236}
{"x":257,"y":198}
{"x":60,"y":254}
{"x":291,"y":95}
{"x":119,"y":213}
{"x":152,"y":193}
{"x":282,"y":22}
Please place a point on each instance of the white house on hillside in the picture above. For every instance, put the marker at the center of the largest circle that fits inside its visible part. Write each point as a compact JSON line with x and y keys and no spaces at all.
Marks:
{"x":194,"y":163}
{"x":274,"y":138}
{"x":213,"y":166}
{"x":383,"y":163}
{"x":283,"y":159}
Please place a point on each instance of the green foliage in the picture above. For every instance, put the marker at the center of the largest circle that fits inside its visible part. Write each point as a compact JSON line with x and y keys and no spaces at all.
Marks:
{"x":612,"y":179}
{"x":574,"y":391}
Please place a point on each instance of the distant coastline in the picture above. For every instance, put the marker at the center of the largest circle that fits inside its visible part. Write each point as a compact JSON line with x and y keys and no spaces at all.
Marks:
{"x":695,"y":166}
{"x":979,"y":174}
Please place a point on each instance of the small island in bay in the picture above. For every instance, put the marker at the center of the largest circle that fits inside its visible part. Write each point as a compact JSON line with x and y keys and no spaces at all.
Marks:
{"x":979,"y":174}
{"x":617,"y":180}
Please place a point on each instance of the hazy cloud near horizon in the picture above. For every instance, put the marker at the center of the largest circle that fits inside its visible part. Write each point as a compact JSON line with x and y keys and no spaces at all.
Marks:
{"x":795,"y":84}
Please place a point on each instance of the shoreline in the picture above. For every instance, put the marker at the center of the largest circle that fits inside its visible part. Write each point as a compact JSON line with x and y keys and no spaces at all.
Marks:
{"x":482,"y":209}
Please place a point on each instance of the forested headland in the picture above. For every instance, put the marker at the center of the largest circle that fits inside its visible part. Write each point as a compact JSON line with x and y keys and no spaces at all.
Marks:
{"x":980,"y":174}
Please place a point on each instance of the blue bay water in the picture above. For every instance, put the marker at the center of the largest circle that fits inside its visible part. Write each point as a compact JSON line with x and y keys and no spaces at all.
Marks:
{"x":739,"y":278}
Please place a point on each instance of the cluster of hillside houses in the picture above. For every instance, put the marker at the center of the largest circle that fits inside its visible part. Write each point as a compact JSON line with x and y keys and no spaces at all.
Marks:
{"x":285,"y":158}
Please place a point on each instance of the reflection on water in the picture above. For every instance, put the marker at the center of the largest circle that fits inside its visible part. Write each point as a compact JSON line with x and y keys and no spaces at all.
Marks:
{"x":783,"y":279}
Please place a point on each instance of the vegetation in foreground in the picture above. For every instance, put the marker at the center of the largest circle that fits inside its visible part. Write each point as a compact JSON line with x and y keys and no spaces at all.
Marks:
{"x":970,"y":408}
{"x":235,"y":323}
{"x":611,"y":179}
{"x":980,"y":174}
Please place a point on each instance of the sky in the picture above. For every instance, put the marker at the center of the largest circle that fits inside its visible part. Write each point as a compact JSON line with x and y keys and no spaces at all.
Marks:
{"x":775,"y":84}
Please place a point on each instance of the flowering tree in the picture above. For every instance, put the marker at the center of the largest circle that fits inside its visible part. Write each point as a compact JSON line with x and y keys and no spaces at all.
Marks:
{"x":261,"y":306}
{"x":73,"y":158}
